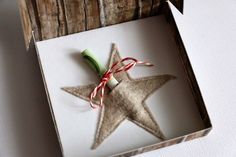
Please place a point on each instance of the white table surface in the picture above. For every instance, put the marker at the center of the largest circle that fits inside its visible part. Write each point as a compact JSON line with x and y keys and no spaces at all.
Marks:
{"x":208,"y":29}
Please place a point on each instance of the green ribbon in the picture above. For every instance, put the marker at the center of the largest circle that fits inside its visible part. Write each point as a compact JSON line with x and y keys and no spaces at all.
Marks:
{"x":95,"y":64}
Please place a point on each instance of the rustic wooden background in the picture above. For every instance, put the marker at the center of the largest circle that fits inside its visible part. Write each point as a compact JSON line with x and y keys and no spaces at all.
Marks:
{"x":53,"y":18}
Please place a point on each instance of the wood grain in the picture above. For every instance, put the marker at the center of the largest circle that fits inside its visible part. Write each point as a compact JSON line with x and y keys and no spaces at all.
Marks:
{"x":54,"y":18}
{"x":117,"y":11}
{"x":62,"y":22}
{"x":92,"y":14}
{"x":32,"y":10}
{"x":145,"y":7}
{"x":75,"y":15}
{"x":26,"y":23}
{"x":48,"y":18}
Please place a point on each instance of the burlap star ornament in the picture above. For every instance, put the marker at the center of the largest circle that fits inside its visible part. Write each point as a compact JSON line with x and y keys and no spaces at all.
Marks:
{"x":125,"y":101}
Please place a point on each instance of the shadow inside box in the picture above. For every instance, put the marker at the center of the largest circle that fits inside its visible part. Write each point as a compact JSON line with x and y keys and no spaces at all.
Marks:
{"x":26,"y":126}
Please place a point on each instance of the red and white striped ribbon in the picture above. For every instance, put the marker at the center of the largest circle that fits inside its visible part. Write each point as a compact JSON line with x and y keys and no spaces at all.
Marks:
{"x":109,"y":73}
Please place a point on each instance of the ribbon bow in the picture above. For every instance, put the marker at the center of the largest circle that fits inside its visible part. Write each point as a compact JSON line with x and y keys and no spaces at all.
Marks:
{"x":109,"y":73}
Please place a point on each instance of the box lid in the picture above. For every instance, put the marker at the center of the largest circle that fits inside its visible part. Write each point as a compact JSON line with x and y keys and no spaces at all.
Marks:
{"x":46,"y":19}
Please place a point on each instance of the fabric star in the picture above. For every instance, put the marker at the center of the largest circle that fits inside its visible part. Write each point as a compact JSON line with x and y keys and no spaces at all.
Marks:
{"x":125,"y":101}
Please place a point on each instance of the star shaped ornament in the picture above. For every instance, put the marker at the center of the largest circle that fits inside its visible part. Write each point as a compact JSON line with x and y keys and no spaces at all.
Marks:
{"x":125,"y":102}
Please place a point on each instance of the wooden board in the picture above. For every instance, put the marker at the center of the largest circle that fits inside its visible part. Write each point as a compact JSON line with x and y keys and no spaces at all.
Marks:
{"x":54,"y":18}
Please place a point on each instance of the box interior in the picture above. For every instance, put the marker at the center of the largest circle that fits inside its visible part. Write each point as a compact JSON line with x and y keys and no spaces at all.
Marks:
{"x":150,"y":39}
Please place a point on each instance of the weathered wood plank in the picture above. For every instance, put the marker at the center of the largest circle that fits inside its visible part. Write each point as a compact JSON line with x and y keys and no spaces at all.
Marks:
{"x":117,"y":11}
{"x":145,"y":7}
{"x":62,"y":28}
{"x":31,"y":5}
{"x":25,"y":20}
{"x":75,"y":15}
{"x":48,"y":17}
{"x":54,"y":18}
{"x":92,"y":14}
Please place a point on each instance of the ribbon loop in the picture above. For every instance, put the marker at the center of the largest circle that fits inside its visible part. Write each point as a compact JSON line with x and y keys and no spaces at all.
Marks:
{"x":109,"y":73}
